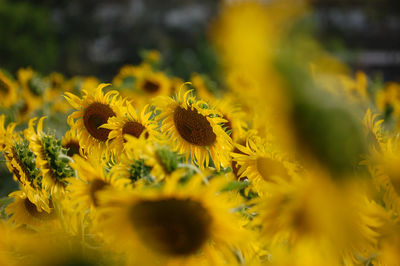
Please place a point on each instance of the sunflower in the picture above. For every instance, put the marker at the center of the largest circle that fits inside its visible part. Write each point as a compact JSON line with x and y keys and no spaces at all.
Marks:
{"x":51,"y":158}
{"x":310,"y":211}
{"x":176,"y":224}
{"x":153,"y":84}
{"x":373,"y":129}
{"x":6,"y":133}
{"x":236,"y":125}
{"x":94,"y":110}
{"x":21,"y":162}
{"x":388,"y":99}
{"x":194,"y":129}
{"x":91,"y":178}
{"x":129,"y":122}
{"x":128,"y":75}
{"x":70,"y":142}
{"x":258,"y":161}
{"x":25,"y":212}
{"x":78,"y":84}
{"x":8,"y":90}
{"x":142,"y":162}
{"x":205,"y":88}
{"x":33,"y":91}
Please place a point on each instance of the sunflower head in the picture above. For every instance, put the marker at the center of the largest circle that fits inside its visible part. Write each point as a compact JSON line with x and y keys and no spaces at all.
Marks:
{"x":93,"y":111}
{"x":70,"y":142}
{"x":175,"y":221}
{"x":24,"y":211}
{"x":195,"y":130}
{"x":153,"y":84}
{"x":128,"y":122}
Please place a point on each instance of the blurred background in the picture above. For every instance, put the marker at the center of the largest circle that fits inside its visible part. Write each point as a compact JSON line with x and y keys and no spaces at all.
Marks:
{"x":97,"y":37}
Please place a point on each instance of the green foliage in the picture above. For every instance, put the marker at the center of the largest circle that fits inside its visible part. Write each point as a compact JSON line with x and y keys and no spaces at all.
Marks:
{"x":3,"y":204}
{"x":235,"y":185}
{"x":57,"y":158}
{"x":37,"y":85}
{"x":139,"y":170}
{"x":169,"y":159}
{"x":27,"y":36}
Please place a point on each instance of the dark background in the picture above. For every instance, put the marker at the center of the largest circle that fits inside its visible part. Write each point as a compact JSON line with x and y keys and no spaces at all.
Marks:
{"x":96,"y":37}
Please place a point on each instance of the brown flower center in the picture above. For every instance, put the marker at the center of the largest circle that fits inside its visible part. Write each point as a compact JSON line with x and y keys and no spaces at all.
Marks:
{"x":73,"y":148}
{"x":96,"y":115}
{"x":193,"y":127}
{"x":172,"y":226}
{"x":268,"y":167}
{"x":32,"y":210}
{"x":133,"y":128}
{"x":95,"y":186}
{"x":150,"y":86}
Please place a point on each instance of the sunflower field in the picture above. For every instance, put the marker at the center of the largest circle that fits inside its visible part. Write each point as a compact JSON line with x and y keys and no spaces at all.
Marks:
{"x":284,"y":156}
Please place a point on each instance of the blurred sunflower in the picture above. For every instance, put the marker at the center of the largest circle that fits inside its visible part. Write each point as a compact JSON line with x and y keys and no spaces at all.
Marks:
{"x":6,"y":132}
{"x":236,"y":125}
{"x":25,"y":212}
{"x":176,"y":224}
{"x":152,"y":84}
{"x":8,"y":90}
{"x":126,"y":78}
{"x":141,"y":162}
{"x":70,"y":142}
{"x":94,"y":110}
{"x":194,"y":129}
{"x":203,"y":86}
{"x":91,"y":178}
{"x":258,"y":160}
{"x":33,"y":90}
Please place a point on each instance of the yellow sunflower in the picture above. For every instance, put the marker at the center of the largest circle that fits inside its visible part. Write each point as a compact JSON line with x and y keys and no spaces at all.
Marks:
{"x":177,"y":224}
{"x":129,"y":122}
{"x":8,"y":90}
{"x":152,"y":84}
{"x":70,"y":141}
{"x":194,"y":129}
{"x":383,"y":167}
{"x":91,"y":178}
{"x":25,"y":212}
{"x":203,"y":86}
{"x":259,"y":160}
{"x":127,"y":76}
{"x":143,"y":162}
{"x":236,"y":125}
{"x":94,"y":110}
{"x":373,"y":130}
{"x":388,"y":99}
{"x":78,"y":84}
{"x":6,"y":133}
{"x":340,"y":225}
{"x":51,"y":158}
{"x":33,"y":91}
{"x":21,"y":162}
